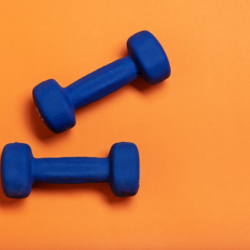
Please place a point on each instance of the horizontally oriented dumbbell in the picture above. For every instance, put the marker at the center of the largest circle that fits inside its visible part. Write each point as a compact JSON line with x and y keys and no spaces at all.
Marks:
{"x":121,"y":169}
{"x":56,"y":105}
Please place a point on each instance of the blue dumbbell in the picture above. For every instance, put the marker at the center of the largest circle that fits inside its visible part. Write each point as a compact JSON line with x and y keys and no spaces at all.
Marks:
{"x":56,"y":105}
{"x":121,"y":169}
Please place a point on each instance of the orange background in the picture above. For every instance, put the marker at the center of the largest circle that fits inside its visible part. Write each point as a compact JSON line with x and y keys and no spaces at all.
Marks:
{"x":192,"y":131}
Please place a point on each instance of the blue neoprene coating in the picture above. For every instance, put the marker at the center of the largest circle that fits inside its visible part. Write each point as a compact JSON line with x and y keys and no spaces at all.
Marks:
{"x":146,"y":58}
{"x":19,"y":170}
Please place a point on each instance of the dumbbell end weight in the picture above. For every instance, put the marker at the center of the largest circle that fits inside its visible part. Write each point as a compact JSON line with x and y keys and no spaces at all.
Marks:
{"x":124,"y":169}
{"x":149,"y":56}
{"x":16,"y":178}
{"x":53,"y":106}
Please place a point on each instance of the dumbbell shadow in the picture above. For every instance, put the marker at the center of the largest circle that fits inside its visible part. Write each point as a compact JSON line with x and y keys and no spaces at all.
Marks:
{"x":43,"y":133}
{"x":67,"y":190}
{"x":101,"y":189}
{"x":37,"y":126}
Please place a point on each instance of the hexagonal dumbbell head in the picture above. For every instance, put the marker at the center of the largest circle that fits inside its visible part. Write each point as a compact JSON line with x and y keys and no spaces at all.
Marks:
{"x":53,"y":106}
{"x":146,"y":58}
{"x":149,"y":57}
{"x":124,"y":169}
{"x":16,"y":176}
{"x":20,"y":170}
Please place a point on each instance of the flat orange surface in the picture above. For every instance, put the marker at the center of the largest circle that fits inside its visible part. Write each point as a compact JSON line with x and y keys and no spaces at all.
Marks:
{"x":192,"y":131}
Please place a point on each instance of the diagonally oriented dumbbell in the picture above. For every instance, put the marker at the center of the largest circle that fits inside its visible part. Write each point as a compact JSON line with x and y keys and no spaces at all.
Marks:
{"x":56,"y":105}
{"x":19,"y":170}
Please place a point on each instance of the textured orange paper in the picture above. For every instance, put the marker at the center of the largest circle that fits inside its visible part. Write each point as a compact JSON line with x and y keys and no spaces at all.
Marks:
{"x":192,"y":131}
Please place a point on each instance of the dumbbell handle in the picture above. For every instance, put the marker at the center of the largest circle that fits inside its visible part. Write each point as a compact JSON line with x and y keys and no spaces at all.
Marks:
{"x":70,"y":170}
{"x":102,"y":82}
